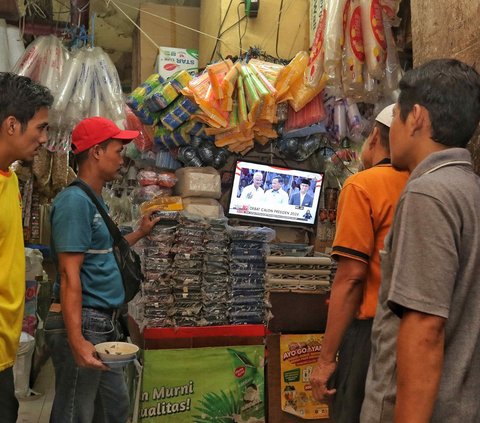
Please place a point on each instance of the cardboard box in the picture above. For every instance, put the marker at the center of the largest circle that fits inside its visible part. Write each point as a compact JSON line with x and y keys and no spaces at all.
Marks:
{"x":163,"y":33}
{"x":274,"y":375}
{"x":205,"y":207}
{"x":172,"y":60}
{"x":198,"y":182}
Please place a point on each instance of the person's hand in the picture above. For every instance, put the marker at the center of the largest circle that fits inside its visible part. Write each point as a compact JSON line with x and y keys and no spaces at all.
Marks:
{"x":146,"y":224}
{"x":85,"y":355}
{"x":321,"y":373}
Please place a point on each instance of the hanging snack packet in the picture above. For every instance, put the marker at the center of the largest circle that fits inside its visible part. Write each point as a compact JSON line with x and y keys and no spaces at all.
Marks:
{"x":353,"y":52}
{"x":373,"y":37}
{"x":289,"y":74}
{"x":315,"y":69}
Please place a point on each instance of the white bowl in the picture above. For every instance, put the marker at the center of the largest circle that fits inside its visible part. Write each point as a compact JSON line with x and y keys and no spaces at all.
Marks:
{"x":116,"y":351}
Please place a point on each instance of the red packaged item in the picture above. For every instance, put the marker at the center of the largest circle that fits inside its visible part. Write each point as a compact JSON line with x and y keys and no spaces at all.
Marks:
{"x":144,"y":141}
{"x":313,"y":112}
{"x":166,"y":179}
{"x":147,"y":177}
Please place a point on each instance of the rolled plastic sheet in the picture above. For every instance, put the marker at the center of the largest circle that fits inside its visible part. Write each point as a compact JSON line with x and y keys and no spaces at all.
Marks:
{"x":393,"y":70}
{"x":52,"y":64}
{"x":68,"y":81}
{"x":340,"y":120}
{"x":334,"y":39}
{"x":30,"y":63}
{"x":16,"y":47}
{"x":4,"y":52}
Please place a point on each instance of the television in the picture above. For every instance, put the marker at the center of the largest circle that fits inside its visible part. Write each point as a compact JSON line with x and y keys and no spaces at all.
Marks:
{"x":274,"y":194}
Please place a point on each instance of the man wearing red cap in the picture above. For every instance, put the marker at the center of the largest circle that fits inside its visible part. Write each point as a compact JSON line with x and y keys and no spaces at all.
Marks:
{"x":89,"y":287}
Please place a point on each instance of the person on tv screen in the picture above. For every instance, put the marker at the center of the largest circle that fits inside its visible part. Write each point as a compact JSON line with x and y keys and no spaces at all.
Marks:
{"x":302,"y":198}
{"x":254,"y":192}
{"x":276,"y":194}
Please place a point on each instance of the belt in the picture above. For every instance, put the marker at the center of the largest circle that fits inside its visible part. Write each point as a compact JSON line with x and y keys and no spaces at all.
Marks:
{"x":56,"y":307}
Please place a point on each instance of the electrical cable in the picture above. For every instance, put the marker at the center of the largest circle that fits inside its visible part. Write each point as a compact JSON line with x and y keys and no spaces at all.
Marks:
{"x":278,"y":27}
{"x":231,"y":26}
{"x":239,"y":34}
{"x":219,"y":29}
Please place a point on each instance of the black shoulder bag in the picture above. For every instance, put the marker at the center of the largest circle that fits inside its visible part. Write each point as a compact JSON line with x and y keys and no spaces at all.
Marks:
{"x":128,"y":260}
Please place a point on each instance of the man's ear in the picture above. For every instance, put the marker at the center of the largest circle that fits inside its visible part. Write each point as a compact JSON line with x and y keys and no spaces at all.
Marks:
{"x":9,"y":125}
{"x":95,"y":151}
{"x":417,"y":119}
{"x":374,"y":138}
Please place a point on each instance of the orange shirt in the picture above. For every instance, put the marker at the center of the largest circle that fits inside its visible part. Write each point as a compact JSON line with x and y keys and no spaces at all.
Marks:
{"x":365,"y":212}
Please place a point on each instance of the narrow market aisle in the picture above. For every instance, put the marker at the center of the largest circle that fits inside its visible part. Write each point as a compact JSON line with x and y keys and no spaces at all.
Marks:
{"x":36,"y":409}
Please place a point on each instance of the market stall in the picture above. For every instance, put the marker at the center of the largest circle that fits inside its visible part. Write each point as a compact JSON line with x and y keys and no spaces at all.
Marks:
{"x":242,"y":161}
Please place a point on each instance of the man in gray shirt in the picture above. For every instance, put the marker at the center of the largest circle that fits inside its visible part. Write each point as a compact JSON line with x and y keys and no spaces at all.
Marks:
{"x":425,"y":362}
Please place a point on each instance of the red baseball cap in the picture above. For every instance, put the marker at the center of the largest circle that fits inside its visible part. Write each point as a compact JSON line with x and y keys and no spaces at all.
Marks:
{"x":95,"y":130}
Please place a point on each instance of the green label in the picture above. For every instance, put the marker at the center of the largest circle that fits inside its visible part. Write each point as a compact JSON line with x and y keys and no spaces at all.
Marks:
{"x":291,"y":375}
{"x":202,"y":385}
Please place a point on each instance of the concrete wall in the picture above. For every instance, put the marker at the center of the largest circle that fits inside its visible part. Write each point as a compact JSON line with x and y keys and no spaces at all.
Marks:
{"x":260,"y":31}
{"x":448,"y":29}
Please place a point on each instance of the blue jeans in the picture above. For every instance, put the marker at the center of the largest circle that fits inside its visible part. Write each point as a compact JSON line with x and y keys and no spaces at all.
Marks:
{"x":85,"y":395}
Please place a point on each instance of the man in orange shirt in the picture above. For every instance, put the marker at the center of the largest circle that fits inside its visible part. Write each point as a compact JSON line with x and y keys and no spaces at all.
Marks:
{"x":365,"y":213}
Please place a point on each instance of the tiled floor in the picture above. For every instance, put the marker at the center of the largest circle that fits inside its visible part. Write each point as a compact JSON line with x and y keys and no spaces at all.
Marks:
{"x":36,"y":408}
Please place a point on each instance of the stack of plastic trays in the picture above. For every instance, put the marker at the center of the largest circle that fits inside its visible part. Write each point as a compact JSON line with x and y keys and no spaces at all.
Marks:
{"x":215,"y":290}
{"x":157,"y":289}
{"x":187,"y":271}
{"x":248,"y":251}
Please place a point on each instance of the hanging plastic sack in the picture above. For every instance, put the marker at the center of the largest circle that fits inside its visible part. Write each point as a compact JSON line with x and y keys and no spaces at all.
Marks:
{"x":289,"y":74}
{"x":334,"y":40}
{"x":16,"y":48}
{"x":393,"y":70}
{"x":373,"y":37}
{"x":315,"y":68}
{"x":353,"y":52}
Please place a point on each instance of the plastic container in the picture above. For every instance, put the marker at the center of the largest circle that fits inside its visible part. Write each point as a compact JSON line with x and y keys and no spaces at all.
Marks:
{"x":23,"y":364}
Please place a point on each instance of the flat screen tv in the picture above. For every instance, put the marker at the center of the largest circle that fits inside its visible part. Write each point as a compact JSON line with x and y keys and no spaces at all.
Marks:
{"x":264,"y":192}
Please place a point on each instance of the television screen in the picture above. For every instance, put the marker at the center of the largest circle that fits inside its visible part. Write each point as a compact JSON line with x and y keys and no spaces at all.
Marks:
{"x":276,"y":194}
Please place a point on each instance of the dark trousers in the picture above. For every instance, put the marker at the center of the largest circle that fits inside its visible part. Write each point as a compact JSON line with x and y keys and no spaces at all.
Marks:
{"x":351,"y":374}
{"x":8,"y":401}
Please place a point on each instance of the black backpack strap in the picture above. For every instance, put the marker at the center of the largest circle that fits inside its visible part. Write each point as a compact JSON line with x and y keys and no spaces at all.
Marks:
{"x":112,"y":228}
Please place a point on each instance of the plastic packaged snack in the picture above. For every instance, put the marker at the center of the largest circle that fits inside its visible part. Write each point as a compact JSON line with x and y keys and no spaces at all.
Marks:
{"x":162,"y":203}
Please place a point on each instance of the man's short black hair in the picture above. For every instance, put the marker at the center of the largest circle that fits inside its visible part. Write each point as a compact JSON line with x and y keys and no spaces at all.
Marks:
{"x":450,"y":91}
{"x":21,"y":97}
{"x":278,"y":178}
{"x":305,"y":181}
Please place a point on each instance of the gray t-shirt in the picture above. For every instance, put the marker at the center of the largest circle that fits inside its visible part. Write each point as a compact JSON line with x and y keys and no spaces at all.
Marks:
{"x":431,"y":264}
